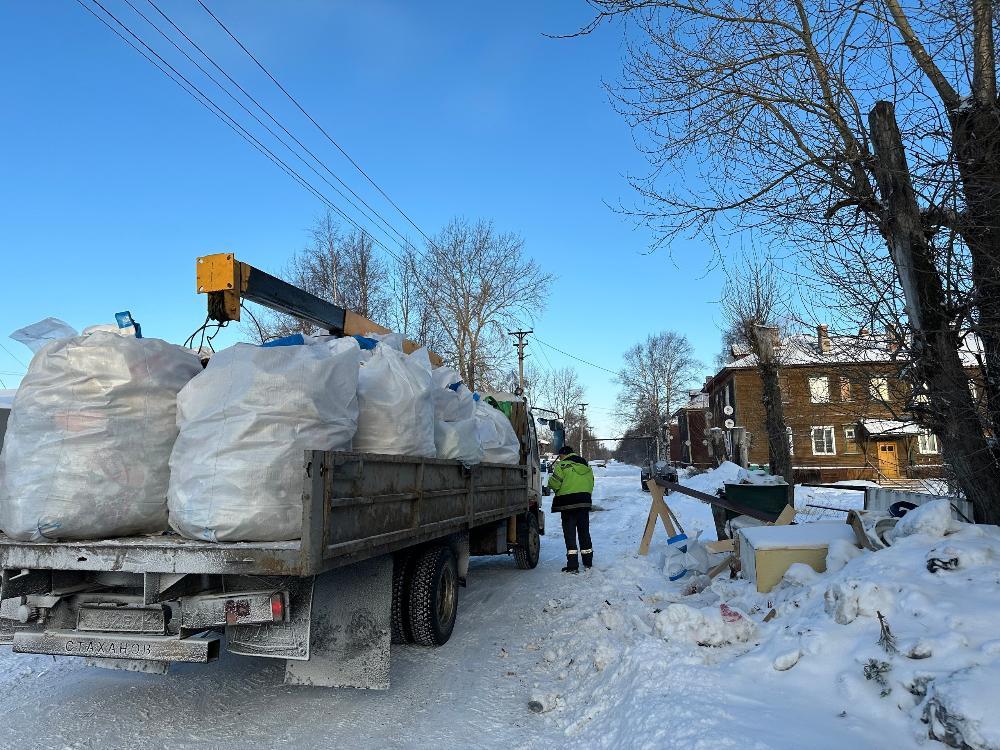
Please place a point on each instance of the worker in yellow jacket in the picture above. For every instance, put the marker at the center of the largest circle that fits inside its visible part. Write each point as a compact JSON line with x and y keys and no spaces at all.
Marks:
{"x":572,"y":481}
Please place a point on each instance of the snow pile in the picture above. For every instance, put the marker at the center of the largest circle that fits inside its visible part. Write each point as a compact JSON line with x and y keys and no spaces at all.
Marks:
{"x":893,"y":648}
{"x":715,"y":479}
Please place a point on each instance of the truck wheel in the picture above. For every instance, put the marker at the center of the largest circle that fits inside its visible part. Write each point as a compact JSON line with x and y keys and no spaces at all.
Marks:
{"x":529,"y":544}
{"x":433,"y":600}
{"x":402,"y":573}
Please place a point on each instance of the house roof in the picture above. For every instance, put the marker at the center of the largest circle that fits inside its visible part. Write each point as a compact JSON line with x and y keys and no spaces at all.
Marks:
{"x":803,"y":349}
{"x":697,"y":400}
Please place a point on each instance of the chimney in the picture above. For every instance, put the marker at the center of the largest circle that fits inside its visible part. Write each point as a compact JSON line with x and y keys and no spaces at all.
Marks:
{"x":708,"y":381}
{"x":823,"y":338}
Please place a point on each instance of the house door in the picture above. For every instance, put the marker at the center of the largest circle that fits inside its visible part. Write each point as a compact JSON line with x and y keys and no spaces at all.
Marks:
{"x":888,"y":460}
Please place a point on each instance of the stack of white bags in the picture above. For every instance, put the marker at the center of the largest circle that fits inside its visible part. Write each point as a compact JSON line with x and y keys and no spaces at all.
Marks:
{"x":98,"y":418}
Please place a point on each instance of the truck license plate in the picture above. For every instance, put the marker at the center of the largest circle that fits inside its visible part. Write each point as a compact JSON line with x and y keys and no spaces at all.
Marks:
{"x":122,"y":619}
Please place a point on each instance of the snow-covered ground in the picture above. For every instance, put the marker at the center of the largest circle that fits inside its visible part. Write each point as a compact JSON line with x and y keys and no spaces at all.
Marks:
{"x":611,"y":657}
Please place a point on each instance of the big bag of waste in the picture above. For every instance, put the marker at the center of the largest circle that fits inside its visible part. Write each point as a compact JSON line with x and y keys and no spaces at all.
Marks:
{"x":89,"y":438}
{"x":236,"y":471}
{"x":456,"y":433}
{"x":496,"y":435}
{"x":396,"y":408}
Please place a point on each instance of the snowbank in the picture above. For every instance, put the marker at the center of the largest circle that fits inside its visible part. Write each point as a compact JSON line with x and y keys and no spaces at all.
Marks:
{"x":877,"y":652}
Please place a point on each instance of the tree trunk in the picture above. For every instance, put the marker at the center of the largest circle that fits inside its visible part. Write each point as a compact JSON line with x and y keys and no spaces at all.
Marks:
{"x":935,"y":341}
{"x":779,"y":457}
{"x":976,"y":146}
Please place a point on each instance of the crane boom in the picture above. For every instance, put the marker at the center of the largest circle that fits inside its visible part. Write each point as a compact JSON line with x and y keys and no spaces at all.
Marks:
{"x":227,"y":281}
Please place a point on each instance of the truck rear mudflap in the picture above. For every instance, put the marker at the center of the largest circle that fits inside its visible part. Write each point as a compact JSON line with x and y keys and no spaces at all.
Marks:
{"x":142,"y":646}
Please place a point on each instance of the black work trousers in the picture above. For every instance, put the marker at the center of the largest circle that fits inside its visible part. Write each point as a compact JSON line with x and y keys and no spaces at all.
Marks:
{"x":576,"y":523}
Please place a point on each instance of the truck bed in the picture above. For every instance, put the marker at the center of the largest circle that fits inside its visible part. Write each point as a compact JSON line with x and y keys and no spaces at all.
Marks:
{"x":354,"y":506}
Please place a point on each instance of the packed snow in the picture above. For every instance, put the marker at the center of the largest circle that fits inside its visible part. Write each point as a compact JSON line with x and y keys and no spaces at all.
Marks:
{"x":617,"y":657}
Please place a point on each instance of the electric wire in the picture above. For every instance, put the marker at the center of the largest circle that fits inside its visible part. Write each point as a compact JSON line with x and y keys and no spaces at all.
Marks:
{"x":313,"y":121}
{"x":209,"y":104}
{"x":271,"y":117}
{"x":13,"y":356}
{"x":572,"y":356}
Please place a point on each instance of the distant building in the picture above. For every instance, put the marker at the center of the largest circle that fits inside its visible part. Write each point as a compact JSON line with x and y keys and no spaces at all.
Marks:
{"x":848,"y":413}
{"x":691,"y":441}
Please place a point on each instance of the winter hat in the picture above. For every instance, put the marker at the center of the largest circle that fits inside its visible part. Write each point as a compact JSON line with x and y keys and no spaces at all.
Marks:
{"x":566,"y":450}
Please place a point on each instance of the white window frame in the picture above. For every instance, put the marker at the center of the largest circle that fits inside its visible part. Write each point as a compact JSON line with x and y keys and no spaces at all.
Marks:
{"x":973,"y":391}
{"x":927,"y":443}
{"x":791,"y":441}
{"x":879,"y":392}
{"x":818,"y":384}
{"x":833,"y":439}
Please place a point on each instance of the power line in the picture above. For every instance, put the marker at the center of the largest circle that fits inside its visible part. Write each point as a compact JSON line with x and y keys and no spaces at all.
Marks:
{"x":573,"y":356}
{"x":263,"y":109}
{"x":206,"y":101}
{"x":310,"y":118}
{"x":13,"y":356}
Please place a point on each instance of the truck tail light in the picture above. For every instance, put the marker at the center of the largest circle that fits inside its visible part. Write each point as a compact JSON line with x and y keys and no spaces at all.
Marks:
{"x":277,"y":607}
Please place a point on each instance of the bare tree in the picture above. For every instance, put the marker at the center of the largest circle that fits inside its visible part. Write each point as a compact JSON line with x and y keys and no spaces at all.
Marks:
{"x":754,"y":306}
{"x":769,"y":98}
{"x":561,"y":391}
{"x":655,"y":377}
{"x":339,"y":267}
{"x":478,"y":282}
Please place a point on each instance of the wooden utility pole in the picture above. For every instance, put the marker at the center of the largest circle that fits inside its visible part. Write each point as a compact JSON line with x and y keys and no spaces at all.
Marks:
{"x":583,"y":422}
{"x":521,"y":343}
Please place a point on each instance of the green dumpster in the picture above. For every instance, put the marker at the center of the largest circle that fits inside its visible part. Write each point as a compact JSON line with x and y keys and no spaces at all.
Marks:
{"x":767,"y":498}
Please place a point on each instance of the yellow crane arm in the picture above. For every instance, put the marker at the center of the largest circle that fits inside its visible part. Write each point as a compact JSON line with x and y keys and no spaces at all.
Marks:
{"x":227,"y":281}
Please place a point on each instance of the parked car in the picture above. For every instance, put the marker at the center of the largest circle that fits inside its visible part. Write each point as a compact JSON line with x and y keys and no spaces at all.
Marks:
{"x":600,"y":463}
{"x":660,"y":470}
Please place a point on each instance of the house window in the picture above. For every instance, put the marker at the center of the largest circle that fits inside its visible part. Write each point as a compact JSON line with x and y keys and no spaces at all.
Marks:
{"x":823,"y":441}
{"x":850,"y":439}
{"x":927,"y":442}
{"x":972,"y":390}
{"x":921,"y":397}
{"x":819,"y":389}
{"x":845,"y":389}
{"x":791,"y":441}
{"x":879,"y":389}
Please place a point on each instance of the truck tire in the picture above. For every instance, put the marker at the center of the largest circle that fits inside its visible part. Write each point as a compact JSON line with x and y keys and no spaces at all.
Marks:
{"x":433,"y":599}
{"x":402,"y":573}
{"x":529,"y":544}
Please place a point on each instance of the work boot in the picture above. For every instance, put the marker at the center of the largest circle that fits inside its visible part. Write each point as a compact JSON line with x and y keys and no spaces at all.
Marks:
{"x":572,"y":563}
{"x":588,"y":557}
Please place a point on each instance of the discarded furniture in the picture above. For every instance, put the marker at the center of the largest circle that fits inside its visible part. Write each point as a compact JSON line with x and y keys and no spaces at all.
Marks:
{"x":766,"y":552}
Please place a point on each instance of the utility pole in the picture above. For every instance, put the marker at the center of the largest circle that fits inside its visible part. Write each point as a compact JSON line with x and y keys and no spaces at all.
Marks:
{"x":583,"y":422}
{"x":521,"y":343}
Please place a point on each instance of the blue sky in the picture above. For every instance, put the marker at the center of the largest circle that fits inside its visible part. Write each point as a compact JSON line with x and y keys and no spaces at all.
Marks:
{"x":114,"y":179}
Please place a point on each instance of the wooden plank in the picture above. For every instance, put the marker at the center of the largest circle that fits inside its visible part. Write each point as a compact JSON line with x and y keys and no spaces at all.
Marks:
{"x":723,"y":545}
{"x":785,"y":517}
{"x":658,"y":509}
{"x":739,"y":508}
{"x":358,"y":325}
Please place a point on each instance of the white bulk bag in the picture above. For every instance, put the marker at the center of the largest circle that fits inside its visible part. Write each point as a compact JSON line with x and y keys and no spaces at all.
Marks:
{"x":458,"y":441}
{"x":456,"y":433}
{"x":89,"y":437}
{"x":237,"y":469}
{"x":396,"y":409}
{"x":496,"y":435}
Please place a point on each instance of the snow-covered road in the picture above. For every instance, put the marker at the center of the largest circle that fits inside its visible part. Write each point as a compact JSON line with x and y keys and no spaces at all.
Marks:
{"x":590,"y":648}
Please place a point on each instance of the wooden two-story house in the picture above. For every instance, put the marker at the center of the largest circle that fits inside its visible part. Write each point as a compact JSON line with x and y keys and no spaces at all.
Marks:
{"x":848,"y":413}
